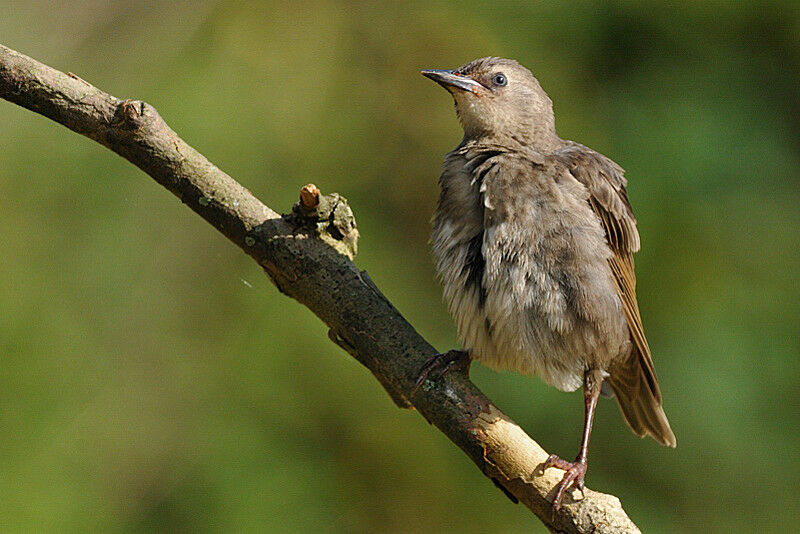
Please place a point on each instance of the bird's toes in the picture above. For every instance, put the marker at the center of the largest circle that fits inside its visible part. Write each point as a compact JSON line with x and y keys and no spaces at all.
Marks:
{"x":555,"y":461}
{"x":440,"y":364}
{"x":574,"y":474}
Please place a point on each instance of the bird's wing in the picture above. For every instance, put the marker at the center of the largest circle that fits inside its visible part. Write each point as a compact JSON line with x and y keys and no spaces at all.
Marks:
{"x":606,"y":183}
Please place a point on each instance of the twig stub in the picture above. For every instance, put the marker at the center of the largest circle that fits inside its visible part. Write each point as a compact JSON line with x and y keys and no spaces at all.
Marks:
{"x":309,"y":196}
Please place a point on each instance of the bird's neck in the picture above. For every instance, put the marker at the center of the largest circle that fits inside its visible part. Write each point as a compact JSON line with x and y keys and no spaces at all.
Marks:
{"x":543,"y":142}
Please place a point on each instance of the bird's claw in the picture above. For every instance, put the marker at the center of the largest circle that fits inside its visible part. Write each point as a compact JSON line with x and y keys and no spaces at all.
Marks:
{"x":440,"y":364}
{"x":575,"y":472}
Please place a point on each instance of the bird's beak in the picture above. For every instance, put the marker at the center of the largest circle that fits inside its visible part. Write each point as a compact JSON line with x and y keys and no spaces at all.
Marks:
{"x":449,"y":78}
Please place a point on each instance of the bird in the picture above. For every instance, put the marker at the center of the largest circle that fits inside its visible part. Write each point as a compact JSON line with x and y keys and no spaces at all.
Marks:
{"x":533,"y":239}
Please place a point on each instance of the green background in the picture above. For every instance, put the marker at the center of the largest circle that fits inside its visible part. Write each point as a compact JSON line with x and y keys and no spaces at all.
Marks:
{"x":153,"y":379}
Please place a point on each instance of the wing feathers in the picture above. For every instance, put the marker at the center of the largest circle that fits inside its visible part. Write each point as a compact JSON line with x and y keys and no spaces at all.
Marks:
{"x":633,"y":380}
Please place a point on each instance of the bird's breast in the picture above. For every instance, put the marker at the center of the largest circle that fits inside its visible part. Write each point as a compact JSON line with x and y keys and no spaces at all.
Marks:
{"x":524,"y":265}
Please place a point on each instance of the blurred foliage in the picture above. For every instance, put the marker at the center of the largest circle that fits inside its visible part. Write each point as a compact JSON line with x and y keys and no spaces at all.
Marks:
{"x":153,"y":379}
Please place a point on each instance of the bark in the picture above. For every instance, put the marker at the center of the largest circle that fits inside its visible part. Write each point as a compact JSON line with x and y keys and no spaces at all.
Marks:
{"x":308,"y":255}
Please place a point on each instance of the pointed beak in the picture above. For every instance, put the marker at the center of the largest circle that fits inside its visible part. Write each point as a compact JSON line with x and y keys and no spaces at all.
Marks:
{"x":449,"y":78}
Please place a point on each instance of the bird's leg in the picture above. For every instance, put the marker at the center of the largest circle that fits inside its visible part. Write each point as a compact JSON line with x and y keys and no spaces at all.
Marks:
{"x":441,"y":363}
{"x":576,"y":471}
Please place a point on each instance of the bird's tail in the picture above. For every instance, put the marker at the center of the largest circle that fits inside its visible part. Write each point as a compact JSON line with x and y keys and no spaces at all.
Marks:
{"x":635,"y":386}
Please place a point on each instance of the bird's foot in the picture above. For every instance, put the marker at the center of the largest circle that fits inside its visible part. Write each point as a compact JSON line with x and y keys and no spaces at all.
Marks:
{"x":442,"y":363}
{"x":573,"y":476}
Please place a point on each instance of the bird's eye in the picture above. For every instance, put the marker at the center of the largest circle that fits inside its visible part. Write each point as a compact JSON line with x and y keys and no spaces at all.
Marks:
{"x":499,"y":79}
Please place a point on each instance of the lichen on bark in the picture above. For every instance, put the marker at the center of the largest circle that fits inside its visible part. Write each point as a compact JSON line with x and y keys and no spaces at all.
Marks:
{"x":328,"y":217}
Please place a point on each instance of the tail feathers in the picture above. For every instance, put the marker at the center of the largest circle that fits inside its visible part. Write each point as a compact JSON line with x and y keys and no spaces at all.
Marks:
{"x":639,"y":399}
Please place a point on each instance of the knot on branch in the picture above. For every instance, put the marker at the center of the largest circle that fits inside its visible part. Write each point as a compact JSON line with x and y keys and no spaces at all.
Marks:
{"x":327,"y":217}
{"x":129,"y":114}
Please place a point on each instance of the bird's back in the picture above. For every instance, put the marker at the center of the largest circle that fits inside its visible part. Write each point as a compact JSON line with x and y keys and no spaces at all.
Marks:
{"x":631,"y":377}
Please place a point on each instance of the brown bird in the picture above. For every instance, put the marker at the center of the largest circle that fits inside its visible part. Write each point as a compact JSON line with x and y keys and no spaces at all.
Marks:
{"x":533,"y":238}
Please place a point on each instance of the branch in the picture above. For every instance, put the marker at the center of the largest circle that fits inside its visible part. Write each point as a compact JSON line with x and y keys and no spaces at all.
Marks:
{"x":320,"y":275}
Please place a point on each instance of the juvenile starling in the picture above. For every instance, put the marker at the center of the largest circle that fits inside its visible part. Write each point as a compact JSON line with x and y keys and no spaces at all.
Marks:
{"x":533,"y":238}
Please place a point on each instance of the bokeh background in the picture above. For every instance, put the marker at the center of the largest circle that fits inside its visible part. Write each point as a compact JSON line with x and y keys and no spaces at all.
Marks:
{"x":153,"y":380}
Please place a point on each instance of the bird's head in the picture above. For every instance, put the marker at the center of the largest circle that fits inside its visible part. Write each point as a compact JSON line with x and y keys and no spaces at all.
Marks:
{"x":499,"y":99}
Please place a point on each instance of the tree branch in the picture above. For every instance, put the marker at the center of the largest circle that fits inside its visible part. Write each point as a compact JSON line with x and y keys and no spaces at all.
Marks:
{"x":320,"y":276}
